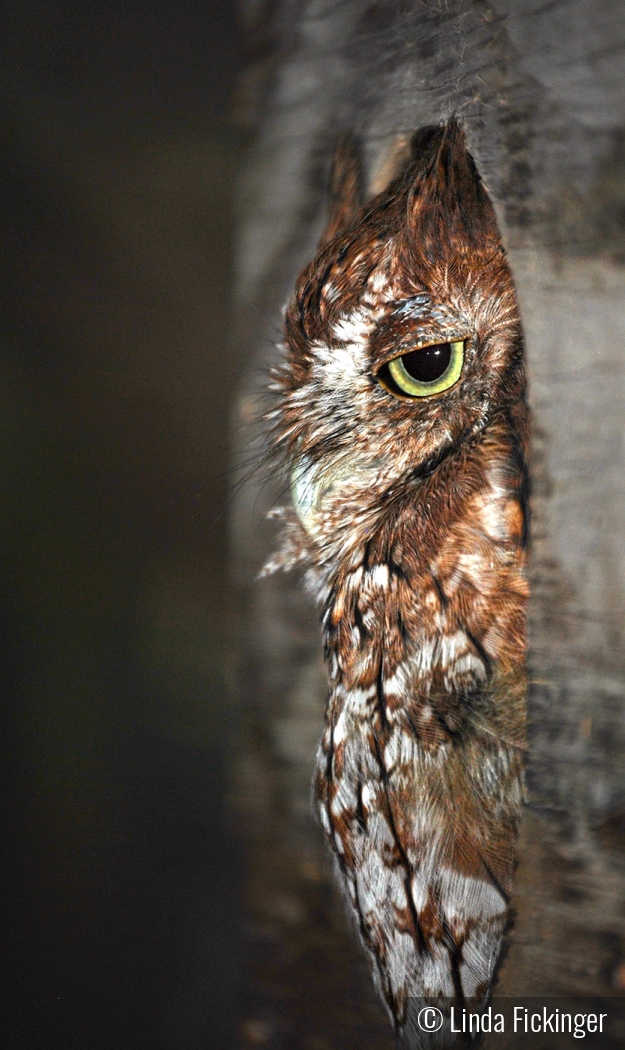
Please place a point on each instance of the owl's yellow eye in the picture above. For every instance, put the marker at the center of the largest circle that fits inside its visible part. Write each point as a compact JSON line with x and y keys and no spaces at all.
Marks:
{"x":428,"y":370}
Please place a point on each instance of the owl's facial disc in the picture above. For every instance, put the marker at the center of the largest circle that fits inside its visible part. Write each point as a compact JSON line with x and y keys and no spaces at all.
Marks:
{"x":424,"y":372}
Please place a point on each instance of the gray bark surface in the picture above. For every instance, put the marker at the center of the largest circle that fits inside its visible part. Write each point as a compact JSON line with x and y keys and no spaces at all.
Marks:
{"x":540,"y":89}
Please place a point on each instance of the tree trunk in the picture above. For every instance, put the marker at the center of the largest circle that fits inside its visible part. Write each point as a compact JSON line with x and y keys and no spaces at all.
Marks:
{"x":540,"y":90}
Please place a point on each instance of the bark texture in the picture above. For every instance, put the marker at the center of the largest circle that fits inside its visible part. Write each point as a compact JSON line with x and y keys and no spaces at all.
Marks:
{"x":540,"y":90}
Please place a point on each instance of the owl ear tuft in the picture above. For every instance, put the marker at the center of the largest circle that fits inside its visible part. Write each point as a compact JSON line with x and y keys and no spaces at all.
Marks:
{"x":345,"y":187}
{"x":449,"y":210}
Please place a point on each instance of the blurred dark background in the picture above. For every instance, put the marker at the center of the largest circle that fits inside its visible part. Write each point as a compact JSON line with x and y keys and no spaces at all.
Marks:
{"x":121,"y":874}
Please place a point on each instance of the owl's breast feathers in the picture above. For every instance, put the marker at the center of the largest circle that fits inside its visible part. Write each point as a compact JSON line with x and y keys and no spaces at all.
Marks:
{"x":412,"y":527}
{"x":419,"y":775}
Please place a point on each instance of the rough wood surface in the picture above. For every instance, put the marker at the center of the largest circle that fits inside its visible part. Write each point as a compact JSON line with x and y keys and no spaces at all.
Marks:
{"x":540,"y":89}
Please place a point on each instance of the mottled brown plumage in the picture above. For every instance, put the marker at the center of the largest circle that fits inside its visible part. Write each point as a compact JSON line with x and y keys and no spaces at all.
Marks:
{"x":410,"y":520}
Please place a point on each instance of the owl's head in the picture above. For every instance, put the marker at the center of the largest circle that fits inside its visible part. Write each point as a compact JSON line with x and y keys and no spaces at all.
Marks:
{"x":402,"y":339}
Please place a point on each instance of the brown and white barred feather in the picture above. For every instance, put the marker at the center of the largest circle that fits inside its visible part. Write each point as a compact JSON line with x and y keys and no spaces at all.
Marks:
{"x":411,"y":523}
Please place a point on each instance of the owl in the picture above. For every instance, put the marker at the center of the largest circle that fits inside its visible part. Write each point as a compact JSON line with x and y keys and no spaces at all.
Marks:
{"x":400,"y":418}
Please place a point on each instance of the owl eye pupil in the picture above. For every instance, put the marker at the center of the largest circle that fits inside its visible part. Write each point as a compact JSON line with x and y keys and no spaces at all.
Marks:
{"x":425,"y":372}
{"x":429,"y":363}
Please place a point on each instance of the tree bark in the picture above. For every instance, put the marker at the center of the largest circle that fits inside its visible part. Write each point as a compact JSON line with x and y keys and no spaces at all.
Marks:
{"x":540,"y":90}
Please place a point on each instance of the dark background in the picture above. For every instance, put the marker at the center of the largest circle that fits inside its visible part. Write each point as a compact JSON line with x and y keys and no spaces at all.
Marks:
{"x":120,"y":871}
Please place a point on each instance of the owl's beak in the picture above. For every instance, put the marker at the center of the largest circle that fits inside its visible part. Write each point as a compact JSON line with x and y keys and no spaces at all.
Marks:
{"x":316,"y":488}
{"x":311,"y":485}
{"x":304,"y":492}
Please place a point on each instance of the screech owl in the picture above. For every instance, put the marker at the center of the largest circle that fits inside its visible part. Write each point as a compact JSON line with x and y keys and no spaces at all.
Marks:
{"x":402,"y":422}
